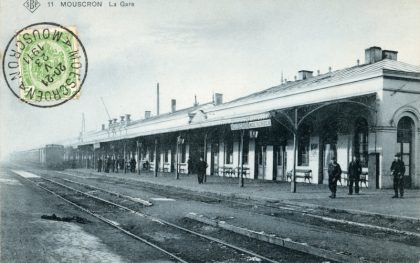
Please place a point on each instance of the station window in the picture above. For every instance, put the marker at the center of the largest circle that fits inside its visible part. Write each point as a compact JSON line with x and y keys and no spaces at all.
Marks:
{"x":303,"y":146}
{"x":166,"y":156}
{"x":152,"y":156}
{"x":245,"y":150}
{"x":183,"y":153}
{"x":262,"y":156}
{"x":229,"y":152}
{"x":361,"y":141}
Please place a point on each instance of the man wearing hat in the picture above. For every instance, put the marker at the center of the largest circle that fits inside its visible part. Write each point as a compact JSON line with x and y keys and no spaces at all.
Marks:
{"x":398,"y":170}
{"x":334,"y":174}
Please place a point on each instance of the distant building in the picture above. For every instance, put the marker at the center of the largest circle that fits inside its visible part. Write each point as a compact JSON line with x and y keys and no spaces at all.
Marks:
{"x":369,"y":110}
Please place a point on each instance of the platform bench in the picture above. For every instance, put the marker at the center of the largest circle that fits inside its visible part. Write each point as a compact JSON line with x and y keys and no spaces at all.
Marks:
{"x":363,"y":178}
{"x":306,"y":174}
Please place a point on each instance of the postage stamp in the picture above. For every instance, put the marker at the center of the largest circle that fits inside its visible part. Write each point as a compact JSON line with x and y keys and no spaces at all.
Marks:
{"x":45,"y":64}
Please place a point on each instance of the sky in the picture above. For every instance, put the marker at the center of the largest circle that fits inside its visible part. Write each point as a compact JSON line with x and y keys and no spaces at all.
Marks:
{"x":234,"y":47}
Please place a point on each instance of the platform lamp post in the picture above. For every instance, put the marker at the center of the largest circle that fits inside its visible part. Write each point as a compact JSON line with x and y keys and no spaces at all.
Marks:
{"x":156,"y":158}
{"x":252,"y":135}
{"x":295,"y":146}
{"x":241,"y":160}
{"x":139,"y":145}
{"x":179,"y":141}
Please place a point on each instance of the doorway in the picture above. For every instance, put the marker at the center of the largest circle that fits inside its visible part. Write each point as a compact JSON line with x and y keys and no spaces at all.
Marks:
{"x":279,"y":163}
{"x":330,"y":152}
{"x":405,"y":139}
{"x":262,"y":162}
{"x":214,"y":159}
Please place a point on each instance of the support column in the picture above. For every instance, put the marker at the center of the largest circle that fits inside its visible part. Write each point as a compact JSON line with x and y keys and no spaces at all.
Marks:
{"x":241,"y":160}
{"x":295,"y":142}
{"x":156,"y":158}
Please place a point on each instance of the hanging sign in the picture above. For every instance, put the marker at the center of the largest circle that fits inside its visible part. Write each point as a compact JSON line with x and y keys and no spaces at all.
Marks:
{"x":250,"y":125}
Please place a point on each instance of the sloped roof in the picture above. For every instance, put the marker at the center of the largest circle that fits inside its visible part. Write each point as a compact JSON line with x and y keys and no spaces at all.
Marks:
{"x":253,"y":106}
{"x":342,"y":75}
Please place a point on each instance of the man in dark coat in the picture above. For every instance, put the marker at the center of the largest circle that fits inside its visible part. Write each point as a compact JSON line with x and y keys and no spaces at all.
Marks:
{"x":133,"y":165}
{"x":113,"y":164}
{"x":334,"y":174}
{"x":99,"y":165}
{"x":108,"y":164}
{"x":190,"y":165}
{"x":398,"y":171}
{"x":355,"y":170}
{"x":201,"y":170}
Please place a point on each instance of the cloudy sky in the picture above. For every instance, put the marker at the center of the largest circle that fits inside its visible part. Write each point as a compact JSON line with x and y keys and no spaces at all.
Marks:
{"x":197,"y":47}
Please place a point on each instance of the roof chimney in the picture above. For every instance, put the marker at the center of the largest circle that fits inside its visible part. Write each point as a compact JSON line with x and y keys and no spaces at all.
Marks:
{"x":103,"y":127}
{"x":147,"y":114}
{"x":305,"y":74}
{"x":128,"y":117}
{"x":389,"y":54}
{"x":115,"y":120}
{"x":373,"y":54}
{"x":157,"y":99}
{"x":218,"y":98}
{"x":173,"y":105}
{"x":122,"y":118}
{"x":318,"y":72}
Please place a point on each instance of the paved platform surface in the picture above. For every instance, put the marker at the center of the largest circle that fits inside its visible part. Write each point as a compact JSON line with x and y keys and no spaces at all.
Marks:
{"x":369,"y":200}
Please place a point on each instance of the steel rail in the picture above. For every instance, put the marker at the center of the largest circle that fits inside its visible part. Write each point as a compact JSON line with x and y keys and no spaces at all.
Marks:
{"x":299,"y":209}
{"x":109,"y":222}
{"x":152,"y":218}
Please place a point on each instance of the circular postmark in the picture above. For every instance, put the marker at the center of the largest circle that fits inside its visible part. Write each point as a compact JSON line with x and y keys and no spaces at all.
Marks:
{"x":45,"y":64}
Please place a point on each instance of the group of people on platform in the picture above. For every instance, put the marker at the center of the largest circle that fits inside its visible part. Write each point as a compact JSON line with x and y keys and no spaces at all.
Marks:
{"x":111,"y":164}
{"x":355,"y":170}
{"x":334,"y":172}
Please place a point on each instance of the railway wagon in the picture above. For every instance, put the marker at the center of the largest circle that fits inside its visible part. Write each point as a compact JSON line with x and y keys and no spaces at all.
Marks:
{"x":50,"y":156}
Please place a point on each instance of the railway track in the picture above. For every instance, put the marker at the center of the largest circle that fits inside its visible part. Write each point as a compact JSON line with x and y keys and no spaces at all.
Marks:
{"x":292,"y":212}
{"x":180,"y":243}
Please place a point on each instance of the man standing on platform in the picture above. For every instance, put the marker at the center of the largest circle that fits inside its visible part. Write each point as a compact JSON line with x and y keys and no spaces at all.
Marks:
{"x":201,"y":170}
{"x":334,"y":174}
{"x":355,"y":170}
{"x":99,"y":165}
{"x":398,"y":171}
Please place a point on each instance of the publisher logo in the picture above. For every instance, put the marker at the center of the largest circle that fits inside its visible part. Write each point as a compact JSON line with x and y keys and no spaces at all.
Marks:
{"x":32,"y":5}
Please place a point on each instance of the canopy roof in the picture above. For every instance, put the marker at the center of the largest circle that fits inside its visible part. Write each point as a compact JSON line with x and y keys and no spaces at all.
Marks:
{"x":345,"y":83}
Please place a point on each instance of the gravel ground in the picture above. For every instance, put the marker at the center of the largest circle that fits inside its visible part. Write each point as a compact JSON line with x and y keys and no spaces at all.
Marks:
{"x":189,"y":247}
{"x":376,"y":246}
{"x":26,"y":238}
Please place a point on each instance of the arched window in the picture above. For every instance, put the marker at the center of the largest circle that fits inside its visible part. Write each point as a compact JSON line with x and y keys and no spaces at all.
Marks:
{"x":303,"y":145}
{"x":361,"y":145}
{"x":229,"y":151}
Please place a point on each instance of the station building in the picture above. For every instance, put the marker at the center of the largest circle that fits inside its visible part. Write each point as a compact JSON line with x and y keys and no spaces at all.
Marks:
{"x":370,"y":110}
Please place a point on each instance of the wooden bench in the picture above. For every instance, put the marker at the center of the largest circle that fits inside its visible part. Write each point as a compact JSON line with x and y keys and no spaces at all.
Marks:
{"x":306,"y":174}
{"x":344,"y":177}
{"x":245,"y":171}
{"x":363,"y":178}
{"x":227,"y":170}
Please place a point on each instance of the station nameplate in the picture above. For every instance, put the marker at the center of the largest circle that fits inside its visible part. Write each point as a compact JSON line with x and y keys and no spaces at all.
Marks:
{"x":250,"y":125}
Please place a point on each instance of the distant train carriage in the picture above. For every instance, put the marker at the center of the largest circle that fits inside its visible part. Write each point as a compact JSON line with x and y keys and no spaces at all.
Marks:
{"x":51,"y":156}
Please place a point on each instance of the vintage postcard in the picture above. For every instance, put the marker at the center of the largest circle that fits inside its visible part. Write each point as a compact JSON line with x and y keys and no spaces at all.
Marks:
{"x":209,"y":131}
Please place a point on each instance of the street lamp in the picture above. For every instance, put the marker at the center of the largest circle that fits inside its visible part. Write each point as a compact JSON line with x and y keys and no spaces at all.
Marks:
{"x":179,"y":141}
{"x":139,"y":145}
